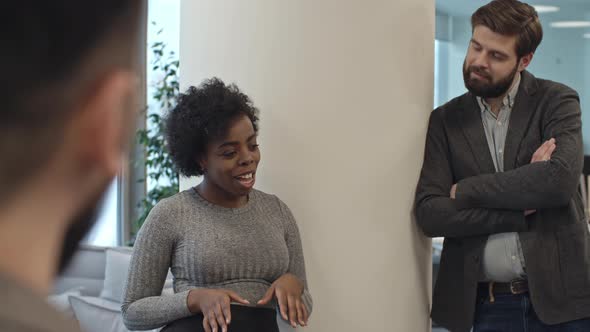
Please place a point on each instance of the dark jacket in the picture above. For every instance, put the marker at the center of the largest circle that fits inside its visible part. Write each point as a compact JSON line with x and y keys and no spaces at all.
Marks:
{"x":555,"y":239}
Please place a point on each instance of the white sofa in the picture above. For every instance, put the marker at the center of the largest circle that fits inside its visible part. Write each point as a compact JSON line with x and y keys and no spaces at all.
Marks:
{"x":91,"y":289}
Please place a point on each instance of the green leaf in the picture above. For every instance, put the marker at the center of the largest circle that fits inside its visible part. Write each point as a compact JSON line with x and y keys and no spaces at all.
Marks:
{"x":158,"y":162}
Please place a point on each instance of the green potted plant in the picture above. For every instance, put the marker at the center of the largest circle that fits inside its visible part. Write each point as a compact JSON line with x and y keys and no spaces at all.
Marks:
{"x":160,"y":169}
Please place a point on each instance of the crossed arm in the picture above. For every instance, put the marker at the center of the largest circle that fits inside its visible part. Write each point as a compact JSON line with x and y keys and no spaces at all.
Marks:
{"x":543,"y":154}
{"x":496,"y":203}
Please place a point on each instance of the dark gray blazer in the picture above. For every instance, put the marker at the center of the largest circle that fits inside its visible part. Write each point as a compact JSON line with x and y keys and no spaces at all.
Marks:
{"x":555,"y":240}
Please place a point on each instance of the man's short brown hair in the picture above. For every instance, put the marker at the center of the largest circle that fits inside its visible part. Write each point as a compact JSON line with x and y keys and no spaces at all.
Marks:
{"x":512,"y":18}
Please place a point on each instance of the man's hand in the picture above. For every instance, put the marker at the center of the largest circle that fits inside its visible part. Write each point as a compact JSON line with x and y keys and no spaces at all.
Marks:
{"x":453,"y":191}
{"x":543,"y":153}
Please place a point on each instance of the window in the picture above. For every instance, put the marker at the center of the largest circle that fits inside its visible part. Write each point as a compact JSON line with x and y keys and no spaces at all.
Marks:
{"x":106,"y":230}
{"x":118,"y":202}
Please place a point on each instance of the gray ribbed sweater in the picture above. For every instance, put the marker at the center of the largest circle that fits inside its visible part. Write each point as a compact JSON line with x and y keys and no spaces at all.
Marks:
{"x":207,"y":246}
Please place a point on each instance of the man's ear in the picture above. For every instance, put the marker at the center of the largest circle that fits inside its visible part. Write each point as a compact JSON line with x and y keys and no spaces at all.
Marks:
{"x":525,"y":61}
{"x":104,"y":122}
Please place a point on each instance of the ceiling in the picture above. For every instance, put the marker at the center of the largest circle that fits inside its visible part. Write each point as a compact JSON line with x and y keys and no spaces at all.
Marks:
{"x":569,"y":9}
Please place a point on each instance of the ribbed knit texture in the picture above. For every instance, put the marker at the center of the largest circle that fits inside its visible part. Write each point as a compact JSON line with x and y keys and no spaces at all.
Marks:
{"x":207,"y":246}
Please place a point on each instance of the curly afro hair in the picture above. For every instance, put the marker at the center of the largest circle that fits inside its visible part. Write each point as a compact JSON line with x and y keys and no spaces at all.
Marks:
{"x":204,"y":114}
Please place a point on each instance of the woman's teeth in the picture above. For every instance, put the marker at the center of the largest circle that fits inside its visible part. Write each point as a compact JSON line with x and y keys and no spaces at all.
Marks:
{"x":245,"y":176}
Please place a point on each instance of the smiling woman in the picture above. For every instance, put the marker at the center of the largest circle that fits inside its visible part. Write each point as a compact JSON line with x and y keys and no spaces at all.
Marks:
{"x":235,"y":252}
{"x":232,"y":162}
{"x":212,"y":132}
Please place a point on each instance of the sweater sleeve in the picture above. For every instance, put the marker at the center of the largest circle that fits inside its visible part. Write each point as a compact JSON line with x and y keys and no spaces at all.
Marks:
{"x":144,"y":307}
{"x":296,"y":260}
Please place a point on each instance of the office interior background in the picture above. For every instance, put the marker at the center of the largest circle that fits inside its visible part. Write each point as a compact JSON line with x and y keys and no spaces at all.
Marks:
{"x":563,"y":56}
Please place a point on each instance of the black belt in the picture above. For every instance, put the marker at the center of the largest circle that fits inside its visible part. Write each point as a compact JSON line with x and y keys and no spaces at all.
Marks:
{"x":515,"y":287}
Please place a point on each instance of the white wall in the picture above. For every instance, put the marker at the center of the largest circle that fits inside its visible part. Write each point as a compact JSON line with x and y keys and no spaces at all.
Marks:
{"x":345,"y":90}
{"x":585,"y":93}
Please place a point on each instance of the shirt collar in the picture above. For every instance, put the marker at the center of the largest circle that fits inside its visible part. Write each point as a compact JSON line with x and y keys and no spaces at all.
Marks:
{"x":508,"y":99}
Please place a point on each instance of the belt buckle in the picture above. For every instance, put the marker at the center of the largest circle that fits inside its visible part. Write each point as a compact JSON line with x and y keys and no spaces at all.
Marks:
{"x":513,"y":289}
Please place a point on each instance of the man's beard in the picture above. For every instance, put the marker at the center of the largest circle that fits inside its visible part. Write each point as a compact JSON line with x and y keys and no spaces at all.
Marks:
{"x":78,"y":228}
{"x":487,"y":90}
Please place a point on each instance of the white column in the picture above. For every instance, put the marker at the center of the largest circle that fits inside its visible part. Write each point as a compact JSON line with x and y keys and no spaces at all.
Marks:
{"x":345,"y":90}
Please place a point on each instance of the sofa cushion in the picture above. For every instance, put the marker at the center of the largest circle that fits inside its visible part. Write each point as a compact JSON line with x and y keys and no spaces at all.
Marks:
{"x":116,"y":270}
{"x":85,"y":270}
{"x":61,"y":301}
{"x":98,"y":315}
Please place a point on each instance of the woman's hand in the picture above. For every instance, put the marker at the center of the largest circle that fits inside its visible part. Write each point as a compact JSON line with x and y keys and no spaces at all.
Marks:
{"x":214,"y":304}
{"x":288,"y":290}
